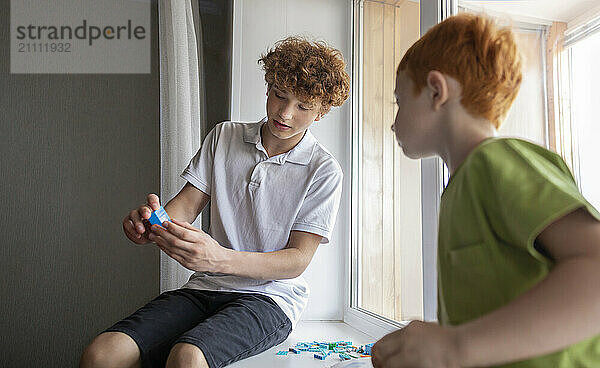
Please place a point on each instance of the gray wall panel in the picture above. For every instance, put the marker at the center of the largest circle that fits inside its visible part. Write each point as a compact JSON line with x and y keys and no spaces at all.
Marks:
{"x":77,"y":152}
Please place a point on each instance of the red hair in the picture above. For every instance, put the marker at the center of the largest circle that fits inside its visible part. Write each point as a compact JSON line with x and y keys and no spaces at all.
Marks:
{"x":481,"y":56}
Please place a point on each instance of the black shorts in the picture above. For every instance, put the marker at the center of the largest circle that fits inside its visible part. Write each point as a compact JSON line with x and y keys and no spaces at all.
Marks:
{"x":226,"y":326}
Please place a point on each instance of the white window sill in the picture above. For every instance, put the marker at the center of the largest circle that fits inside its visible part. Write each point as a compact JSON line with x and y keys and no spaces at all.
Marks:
{"x":307,"y":331}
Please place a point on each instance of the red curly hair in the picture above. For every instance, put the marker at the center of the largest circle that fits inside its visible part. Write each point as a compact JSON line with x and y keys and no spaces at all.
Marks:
{"x":312,"y":71}
{"x":483,"y":57}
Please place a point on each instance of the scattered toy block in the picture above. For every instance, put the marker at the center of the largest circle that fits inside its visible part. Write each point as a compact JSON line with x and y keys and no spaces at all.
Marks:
{"x":344,"y":356}
{"x":320,"y":356}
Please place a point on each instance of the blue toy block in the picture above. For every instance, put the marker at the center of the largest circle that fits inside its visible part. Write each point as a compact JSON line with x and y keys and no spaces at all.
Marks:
{"x":344,"y":356}
{"x":368,"y":348}
{"x":159,"y":216}
{"x":295,"y":350}
{"x":282,"y":352}
{"x":320,"y":356}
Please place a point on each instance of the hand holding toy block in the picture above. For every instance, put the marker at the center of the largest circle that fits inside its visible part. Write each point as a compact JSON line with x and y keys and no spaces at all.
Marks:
{"x":158,"y":217}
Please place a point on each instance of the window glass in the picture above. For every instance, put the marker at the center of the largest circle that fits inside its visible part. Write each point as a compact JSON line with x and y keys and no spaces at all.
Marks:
{"x":390,"y":271}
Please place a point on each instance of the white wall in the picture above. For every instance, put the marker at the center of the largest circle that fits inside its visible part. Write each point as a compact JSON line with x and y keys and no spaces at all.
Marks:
{"x":258,"y":24}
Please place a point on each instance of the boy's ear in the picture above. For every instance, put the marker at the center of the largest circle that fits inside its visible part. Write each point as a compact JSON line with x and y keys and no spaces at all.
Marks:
{"x":437,"y":88}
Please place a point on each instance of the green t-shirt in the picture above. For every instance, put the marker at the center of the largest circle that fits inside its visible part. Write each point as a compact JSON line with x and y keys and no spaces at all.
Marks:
{"x":494,"y":207}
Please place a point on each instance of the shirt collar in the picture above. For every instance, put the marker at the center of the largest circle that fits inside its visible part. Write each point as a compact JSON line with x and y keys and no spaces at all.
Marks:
{"x":252,"y":131}
{"x":300,"y":154}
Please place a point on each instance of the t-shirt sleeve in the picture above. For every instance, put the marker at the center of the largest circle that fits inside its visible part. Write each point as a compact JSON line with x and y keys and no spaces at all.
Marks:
{"x":320,"y":206}
{"x":530,"y":188}
{"x":200,"y":169}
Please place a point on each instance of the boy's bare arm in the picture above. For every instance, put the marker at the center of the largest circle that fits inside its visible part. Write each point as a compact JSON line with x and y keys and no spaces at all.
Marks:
{"x":559,"y":311}
{"x":187,"y":204}
{"x":198,"y":251}
{"x":286,"y":263}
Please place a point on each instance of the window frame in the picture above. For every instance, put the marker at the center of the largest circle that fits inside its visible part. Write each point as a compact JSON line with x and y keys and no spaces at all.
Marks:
{"x":431,"y":13}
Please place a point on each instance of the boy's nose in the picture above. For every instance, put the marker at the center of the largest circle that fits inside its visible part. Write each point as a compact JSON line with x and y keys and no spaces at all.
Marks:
{"x":285,"y":113}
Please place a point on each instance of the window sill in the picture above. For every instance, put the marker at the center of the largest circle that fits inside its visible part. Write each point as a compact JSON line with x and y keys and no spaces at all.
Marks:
{"x":307,"y":331}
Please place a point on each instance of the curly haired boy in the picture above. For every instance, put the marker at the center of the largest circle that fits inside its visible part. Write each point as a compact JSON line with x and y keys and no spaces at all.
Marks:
{"x":518,"y":245}
{"x":274,"y":194}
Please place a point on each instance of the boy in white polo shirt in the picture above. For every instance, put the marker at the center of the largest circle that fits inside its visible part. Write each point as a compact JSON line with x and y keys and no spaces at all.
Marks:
{"x":274,"y":193}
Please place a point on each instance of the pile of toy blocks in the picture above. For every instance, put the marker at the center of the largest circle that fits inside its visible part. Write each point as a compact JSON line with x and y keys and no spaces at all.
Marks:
{"x":321,"y":350}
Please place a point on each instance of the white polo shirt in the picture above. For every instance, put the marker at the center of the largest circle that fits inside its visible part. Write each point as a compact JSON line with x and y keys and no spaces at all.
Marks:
{"x":256,"y":201}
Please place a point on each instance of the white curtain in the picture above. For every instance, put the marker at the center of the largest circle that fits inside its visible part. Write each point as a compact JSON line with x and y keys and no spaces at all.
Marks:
{"x":182,"y":111}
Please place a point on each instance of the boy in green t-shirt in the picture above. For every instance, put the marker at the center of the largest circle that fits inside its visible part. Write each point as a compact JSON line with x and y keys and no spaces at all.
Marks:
{"x":519,"y":246}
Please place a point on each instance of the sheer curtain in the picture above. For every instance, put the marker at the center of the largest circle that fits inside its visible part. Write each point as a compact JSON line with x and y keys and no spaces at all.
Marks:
{"x":182,"y":110}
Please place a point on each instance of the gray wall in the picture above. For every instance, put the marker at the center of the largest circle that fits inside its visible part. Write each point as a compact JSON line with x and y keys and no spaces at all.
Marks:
{"x":77,"y":152}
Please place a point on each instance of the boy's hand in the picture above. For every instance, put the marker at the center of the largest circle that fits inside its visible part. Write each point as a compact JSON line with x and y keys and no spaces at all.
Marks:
{"x":133,"y":223}
{"x":420,"y":344}
{"x":191,"y":247}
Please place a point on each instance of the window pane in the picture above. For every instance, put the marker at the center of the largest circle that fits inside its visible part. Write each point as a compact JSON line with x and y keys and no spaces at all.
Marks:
{"x":527,"y":115}
{"x":584,"y":104}
{"x":390,"y":271}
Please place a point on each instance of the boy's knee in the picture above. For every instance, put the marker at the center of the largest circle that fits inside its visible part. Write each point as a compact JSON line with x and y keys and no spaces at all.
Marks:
{"x":186,"y":355}
{"x":111,"y":349}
